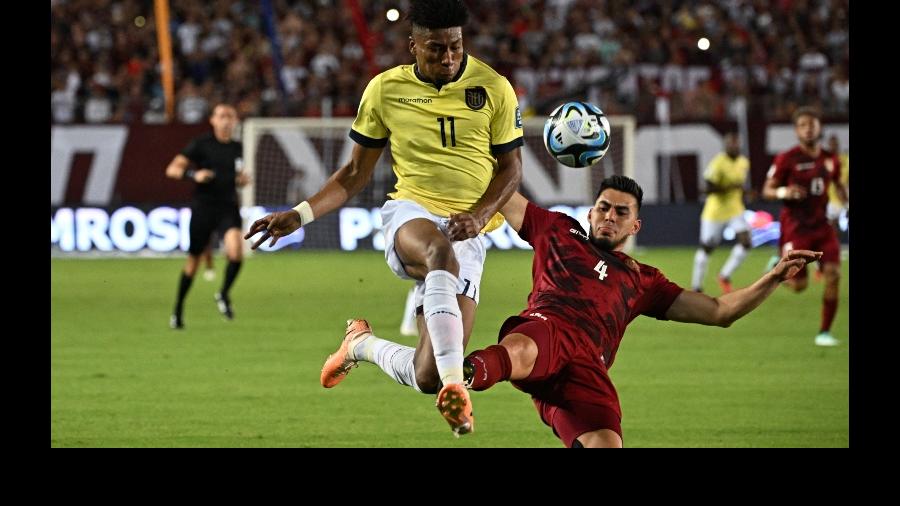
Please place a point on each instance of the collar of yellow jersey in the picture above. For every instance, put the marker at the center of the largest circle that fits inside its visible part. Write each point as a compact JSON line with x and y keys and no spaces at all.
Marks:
{"x":462,"y":68}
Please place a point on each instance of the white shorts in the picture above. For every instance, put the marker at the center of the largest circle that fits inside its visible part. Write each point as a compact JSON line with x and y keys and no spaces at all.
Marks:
{"x":711,"y":231}
{"x":833,"y":211}
{"x":470,"y":253}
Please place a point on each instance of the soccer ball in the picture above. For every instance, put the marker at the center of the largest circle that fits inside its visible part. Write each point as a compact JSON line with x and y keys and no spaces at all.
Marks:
{"x":577,"y":134}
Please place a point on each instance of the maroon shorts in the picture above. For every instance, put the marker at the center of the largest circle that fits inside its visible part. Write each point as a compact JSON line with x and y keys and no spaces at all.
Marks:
{"x":569,"y":384}
{"x":823,"y":239}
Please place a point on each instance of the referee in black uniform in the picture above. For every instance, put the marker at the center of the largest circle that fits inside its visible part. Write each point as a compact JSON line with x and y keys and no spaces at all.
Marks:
{"x":216,"y":160}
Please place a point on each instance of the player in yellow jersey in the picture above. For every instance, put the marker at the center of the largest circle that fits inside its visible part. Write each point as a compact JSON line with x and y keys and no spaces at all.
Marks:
{"x":455,"y":132}
{"x":836,"y":206}
{"x":725,"y":178}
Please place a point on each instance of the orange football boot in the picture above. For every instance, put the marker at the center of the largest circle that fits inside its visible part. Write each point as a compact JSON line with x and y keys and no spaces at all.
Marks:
{"x":339,"y":363}
{"x":455,"y":406}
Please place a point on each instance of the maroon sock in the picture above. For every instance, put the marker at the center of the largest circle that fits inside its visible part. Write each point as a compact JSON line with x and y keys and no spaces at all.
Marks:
{"x":490,"y":365}
{"x":829,"y":308}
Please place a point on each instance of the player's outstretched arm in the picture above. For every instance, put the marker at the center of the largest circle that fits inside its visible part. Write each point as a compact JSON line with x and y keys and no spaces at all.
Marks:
{"x":694,"y":307}
{"x":340,"y":187}
{"x":506,"y":181}
{"x":514,"y":211}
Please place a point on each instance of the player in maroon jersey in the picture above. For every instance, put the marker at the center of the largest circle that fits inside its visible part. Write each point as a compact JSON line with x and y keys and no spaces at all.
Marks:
{"x":585,"y":293}
{"x":800,"y":178}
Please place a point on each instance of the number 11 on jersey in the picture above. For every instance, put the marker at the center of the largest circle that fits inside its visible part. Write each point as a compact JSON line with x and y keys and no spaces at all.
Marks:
{"x":450,"y":119}
{"x":601,"y":268}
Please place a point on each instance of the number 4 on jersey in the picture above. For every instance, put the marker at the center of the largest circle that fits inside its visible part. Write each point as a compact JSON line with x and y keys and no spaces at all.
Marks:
{"x":601,"y":268}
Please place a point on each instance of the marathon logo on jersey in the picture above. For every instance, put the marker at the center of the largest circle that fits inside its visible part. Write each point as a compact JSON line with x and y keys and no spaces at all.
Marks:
{"x":538,"y":315}
{"x":806,"y":166}
{"x":579,"y":233}
{"x":518,"y":117}
{"x":414,"y":100}
{"x":476,"y":97}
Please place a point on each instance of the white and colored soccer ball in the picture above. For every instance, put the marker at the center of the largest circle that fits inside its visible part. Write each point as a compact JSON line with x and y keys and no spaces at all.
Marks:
{"x":577,"y":134}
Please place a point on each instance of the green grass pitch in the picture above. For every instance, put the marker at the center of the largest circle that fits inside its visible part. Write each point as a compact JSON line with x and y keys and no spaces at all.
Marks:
{"x":120,"y":377}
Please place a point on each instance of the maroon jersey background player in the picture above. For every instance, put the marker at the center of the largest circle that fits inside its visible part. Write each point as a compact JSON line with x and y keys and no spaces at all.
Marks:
{"x":800,"y":178}
{"x":585,"y":293}
{"x":805,"y":217}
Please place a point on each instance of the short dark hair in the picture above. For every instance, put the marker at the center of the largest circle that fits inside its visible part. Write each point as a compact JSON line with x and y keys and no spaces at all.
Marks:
{"x":806,"y":111}
{"x":623,"y":184}
{"x":434,"y":14}
{"x":212,"y":110}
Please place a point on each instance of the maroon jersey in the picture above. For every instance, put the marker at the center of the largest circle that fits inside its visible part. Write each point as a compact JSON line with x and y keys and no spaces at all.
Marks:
{"x":795,"y":167}
{"x":590,"y":294}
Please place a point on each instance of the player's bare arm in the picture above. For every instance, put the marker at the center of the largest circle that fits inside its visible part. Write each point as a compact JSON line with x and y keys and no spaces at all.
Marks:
{"x":340,"y":187}
{"x":694,"y":307}
{"x":771,"y":191}
{"x":514,"y":211}
{"x":842,"y":193}
{"x":506,"y":181}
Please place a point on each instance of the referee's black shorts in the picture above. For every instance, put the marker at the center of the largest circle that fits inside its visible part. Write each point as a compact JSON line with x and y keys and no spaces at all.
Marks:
{"x":206,"y":218}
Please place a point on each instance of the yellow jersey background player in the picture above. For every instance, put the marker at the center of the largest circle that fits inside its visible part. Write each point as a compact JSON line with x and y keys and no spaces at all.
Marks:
{"x":835,"y":205}
{"x":455,"y":132}
{"x":725,"y":178}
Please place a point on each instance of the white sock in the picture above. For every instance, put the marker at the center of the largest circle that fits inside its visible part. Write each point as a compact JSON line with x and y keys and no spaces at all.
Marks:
{"x":701,"y":259}
{"x":737,"y":256}
{"x":444,"y":321}
{"x":408,"y":326}
{"x":394,"y":359}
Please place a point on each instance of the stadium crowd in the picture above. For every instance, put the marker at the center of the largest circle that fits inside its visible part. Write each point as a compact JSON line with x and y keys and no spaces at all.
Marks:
{"x":769,"y":56}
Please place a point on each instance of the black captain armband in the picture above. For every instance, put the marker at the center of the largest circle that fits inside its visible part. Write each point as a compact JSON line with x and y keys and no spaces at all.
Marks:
{"x":188,"y":174}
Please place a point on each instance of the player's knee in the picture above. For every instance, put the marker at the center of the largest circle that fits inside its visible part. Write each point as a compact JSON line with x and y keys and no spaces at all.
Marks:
{"x":191,"y":264}
{"x":602,"y":438}
{"x":439,"y":256}
{"x":522,"y":352}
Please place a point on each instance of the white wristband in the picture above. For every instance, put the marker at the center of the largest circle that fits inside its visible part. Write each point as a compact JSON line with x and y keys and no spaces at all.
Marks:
{"x":306,"y":213}
{"x":781,"y":192}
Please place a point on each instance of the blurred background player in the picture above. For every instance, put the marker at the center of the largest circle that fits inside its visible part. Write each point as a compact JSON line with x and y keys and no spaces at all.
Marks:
{"x":209,"y":274}
{"x":800,"y":178}
{"x":835,"y":205}
{"x":725,"y":179}
{"x":215,"y":206}
{"x":585,"y":293}
{"x":455,"y":132}
{"x":408,"y":326}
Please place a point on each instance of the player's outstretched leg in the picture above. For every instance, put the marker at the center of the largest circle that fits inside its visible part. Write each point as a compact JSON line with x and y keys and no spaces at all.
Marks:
{"x":455,"y":406}
{"x":339,"y":363}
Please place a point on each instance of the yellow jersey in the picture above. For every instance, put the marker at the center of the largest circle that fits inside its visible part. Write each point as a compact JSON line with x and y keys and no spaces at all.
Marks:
{"x":443,"y":141}
{"x":845,"y":179}
{"x":723,"y":171}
